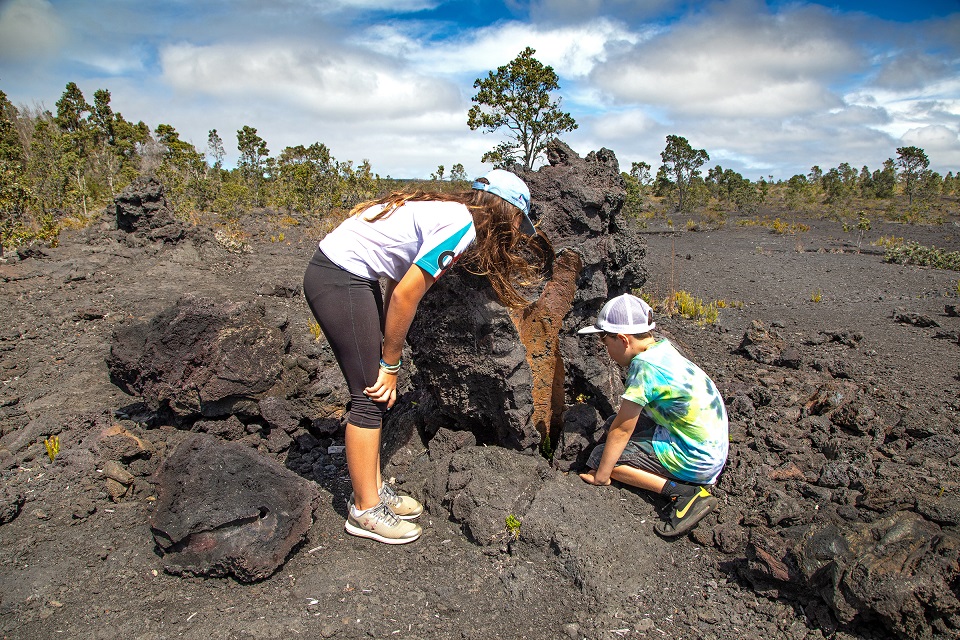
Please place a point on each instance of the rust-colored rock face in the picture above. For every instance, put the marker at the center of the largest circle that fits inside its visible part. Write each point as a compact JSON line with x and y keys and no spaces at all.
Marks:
{"x":539,"y":326}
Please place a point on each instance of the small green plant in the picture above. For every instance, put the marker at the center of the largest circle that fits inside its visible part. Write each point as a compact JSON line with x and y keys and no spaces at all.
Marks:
{"x":816,"y":296}
{"x":863,"y":225}
{"x":546,"y":447}
{"x":513,"y":527}
{"x":315,"y":330}
{"x":53,"y":447}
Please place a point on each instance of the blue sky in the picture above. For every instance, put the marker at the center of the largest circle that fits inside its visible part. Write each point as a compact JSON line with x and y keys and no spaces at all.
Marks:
{"x":766,"y":88}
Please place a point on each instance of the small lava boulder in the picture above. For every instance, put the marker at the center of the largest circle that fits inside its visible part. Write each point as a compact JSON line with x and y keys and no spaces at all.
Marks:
{"x":224,"y":509}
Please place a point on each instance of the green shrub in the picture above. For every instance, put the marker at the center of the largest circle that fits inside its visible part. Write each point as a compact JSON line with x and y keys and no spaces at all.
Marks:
{"x":917,"y":254}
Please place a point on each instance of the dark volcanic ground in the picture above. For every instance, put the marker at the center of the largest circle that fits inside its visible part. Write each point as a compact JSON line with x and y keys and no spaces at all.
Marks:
{"x":74,"y":563}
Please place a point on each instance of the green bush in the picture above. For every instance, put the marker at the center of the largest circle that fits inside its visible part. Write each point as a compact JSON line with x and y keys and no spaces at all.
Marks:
{"x":917,"y":254}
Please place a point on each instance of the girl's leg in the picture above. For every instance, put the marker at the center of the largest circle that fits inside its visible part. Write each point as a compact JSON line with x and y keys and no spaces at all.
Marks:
{"x":363,"y":463}
{"x":349,"y":310}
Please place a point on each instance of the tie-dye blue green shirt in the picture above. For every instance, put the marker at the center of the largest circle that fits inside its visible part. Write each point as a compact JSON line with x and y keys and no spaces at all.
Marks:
{"x":691,"y":439}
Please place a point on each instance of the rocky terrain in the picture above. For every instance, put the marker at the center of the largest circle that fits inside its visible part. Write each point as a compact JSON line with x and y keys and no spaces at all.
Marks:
{"x":199,"y":489}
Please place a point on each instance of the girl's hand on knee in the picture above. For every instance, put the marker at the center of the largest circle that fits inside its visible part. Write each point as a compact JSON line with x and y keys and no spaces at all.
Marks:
{"x":384,"y":390}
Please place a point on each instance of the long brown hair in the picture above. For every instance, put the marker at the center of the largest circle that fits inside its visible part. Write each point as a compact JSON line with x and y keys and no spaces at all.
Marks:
{"x":498,"y":252}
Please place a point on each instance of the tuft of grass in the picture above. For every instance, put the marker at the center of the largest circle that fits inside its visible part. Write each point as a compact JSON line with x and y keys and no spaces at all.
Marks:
{"x":53,"y":447}
{"x":694,"y":308}
{"x":816,"y":296}
{"x":776,"y":225}
{"x":315,"y":330}
{"x":887,"y":242}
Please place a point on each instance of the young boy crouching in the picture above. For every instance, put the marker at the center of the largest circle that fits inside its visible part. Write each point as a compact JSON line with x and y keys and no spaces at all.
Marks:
{"x":670,"y":434}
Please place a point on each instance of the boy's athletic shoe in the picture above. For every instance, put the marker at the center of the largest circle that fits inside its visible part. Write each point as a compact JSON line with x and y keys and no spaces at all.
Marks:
{"x":404,"y":507}
{"x":381,"y":524}
{"x":685,"y":513}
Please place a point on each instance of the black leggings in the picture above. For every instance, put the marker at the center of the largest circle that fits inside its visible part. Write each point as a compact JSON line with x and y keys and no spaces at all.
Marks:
{"x":350,"y":312}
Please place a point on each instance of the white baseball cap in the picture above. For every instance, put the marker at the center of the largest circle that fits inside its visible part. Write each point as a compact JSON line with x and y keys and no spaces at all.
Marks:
{"x":512,"y":189}
{"x":626,"y":314}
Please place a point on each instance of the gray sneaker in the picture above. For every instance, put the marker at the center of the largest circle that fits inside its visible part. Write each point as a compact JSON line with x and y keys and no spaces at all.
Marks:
{"x":405,"y":507}
{"x":381,"y":524}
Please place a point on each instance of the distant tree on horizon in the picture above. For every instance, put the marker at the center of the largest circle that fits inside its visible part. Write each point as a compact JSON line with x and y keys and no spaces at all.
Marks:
{"x":682,"y":162}
{"x":913,"y":162}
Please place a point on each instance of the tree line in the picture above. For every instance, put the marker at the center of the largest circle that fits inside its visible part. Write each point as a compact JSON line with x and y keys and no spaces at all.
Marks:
{"x":681,"y":182}
{"x":67,"y":164}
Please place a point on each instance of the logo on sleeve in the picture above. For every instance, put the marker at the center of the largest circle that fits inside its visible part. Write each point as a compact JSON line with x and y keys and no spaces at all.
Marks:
{"x":445,"y":260}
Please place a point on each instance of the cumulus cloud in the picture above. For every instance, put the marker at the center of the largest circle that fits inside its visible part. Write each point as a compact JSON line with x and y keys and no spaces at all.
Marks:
{"x":30,"y":28}
{"x":334,"y":82}
{"x":735,"y":63}
{"x":572,"y":51}
{"x":913,"y":70}
{"x":623,"y":125}
{"x":941,"y":143}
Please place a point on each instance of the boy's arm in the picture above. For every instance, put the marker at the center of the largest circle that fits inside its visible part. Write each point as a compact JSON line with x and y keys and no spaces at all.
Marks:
{"x":617,"y":438}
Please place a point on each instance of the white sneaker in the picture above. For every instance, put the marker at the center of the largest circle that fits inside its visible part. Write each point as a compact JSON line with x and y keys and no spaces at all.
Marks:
{"x":381,"y":524}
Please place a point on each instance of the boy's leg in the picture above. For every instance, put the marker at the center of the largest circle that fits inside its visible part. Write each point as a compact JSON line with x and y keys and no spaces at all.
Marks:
{"x":639,"y":467}
{"x":638,"y":478}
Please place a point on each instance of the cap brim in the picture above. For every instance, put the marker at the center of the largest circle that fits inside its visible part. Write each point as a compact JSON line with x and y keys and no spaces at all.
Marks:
{"x":590,"y":329}
{"x":527,"y":226}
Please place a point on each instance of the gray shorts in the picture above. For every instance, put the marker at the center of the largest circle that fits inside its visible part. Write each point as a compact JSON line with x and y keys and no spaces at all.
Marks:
{"x":638,"y":453}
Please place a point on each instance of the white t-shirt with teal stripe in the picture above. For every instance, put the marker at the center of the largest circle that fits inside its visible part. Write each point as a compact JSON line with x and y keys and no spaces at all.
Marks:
{"x":431,"y":234}
{"x":690,"y":439}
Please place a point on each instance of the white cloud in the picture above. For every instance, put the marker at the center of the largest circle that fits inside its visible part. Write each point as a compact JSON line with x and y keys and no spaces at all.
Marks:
{"x":735,"y":63}
{"x":940,"y":143}
{"x":398,"y":6}
{"x":333,"y":82}
{"x":572,"y":51}
{"x":30,"y":28}
{"x":913,"y":70}
{"x":570,"y":11}
{"x":623,"y":125}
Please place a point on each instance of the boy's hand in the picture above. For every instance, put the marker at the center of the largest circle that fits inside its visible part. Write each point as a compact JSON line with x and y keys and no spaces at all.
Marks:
{"x":590,"y":478}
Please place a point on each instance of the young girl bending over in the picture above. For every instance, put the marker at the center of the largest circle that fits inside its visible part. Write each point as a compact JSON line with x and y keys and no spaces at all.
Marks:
{"x":408,"y":240}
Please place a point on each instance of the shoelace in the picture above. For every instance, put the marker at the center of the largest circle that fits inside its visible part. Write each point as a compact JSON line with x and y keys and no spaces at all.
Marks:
{"x":388,"y":495}
{"x":383,"y":513}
